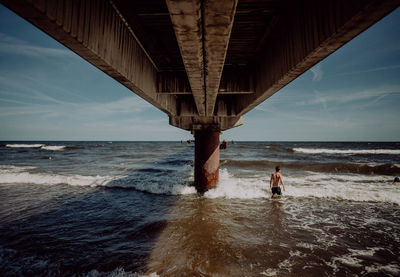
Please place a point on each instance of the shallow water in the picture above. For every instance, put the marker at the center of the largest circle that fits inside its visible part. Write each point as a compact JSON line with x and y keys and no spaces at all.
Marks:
{"x":129,"y":209}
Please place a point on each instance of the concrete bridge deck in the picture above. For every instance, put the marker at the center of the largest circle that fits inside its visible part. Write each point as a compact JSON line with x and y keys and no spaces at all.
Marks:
{"x":204,"y":63}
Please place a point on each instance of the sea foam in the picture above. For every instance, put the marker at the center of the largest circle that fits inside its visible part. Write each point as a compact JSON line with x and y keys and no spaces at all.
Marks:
{"x":353,"y":187}
{"x":53,"y":147}
{"x":22,"y":175}
{"x":40,"y":146}
{"x":10,"y":174}
{"x":118,"y":272}
{"x":347,"y":151}
{"x":24,"y":145}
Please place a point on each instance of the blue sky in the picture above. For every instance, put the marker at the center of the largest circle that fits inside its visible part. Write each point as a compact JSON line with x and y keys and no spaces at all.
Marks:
{"x":49,"y":93}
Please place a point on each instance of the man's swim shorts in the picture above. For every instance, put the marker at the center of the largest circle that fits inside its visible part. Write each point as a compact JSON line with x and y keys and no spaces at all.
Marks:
{"x":276,"y":190}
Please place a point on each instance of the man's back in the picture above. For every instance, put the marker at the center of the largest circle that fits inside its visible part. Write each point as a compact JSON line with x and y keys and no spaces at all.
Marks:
{"x":276,"y":178}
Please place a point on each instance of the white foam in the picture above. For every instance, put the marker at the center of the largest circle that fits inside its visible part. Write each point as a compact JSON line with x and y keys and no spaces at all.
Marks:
{"x":119,"y":272}
{"x":14,"y":169}
{"x":306,"y":245}
{"x":354,"y":258}
{"x":390,"y":268}
{"x":163,"y":188}
{"x":53,"y":147}
{"x":24,"y":145}
{"x":231,"y":187}
{"x":54,"y":179}
{"x":347,"y":151}
{"x":269,"y":272}
{"x":355,"y":187}
{"x":41,"y":146}
{"x":22,"y":175}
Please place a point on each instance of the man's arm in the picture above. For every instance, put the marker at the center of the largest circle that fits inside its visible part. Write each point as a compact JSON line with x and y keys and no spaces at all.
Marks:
{"x":283,"y":185}
{"x":270,"y":182}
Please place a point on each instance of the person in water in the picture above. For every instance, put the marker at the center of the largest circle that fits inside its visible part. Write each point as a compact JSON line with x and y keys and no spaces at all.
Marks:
{"x":276,"y":178}
{"x":396,"y":181}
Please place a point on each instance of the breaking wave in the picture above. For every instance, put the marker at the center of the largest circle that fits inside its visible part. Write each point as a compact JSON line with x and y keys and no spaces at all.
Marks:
{"x":354,"y":187}
{"x":382,"y":169}
{"x":348,"y":151}
{"x":23,"y":175}
{"x":119,"y":272}
{"x":24,"y":145}
{"x":142,"y":182}
{"x":38,"y":146}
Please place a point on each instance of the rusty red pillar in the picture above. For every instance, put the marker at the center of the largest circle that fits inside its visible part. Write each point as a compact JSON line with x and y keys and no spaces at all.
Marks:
{"x":206,"y":159}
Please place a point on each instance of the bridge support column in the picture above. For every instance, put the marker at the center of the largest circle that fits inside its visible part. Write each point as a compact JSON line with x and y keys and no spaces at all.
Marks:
{"x":206,"y":159}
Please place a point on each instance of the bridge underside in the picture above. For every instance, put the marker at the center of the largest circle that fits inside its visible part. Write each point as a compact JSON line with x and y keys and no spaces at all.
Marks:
{"x":205,"y":63}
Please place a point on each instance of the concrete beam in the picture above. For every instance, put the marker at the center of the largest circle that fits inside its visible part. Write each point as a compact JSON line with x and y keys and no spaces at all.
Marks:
{"x":307,"y":33}
{"x":96,"y":31}
{"x":220,"y":92}
{"x":203,"y":29}
{"x":186,"y":20}
{"x":218,"y":21}
{"x":193,"y":123}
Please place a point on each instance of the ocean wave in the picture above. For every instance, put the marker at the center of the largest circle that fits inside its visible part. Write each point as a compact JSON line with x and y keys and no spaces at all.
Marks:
{"x":38,"y":146}
{"x":10,"y":174}
{"x":347,"y":151}
{"x":53,"y":147}
{"x":22,"y":175}
{"x":24,"y":145}
{"x":119,"y":272}
{"x":379,"y":169}
{"x":38,"y":265}
{"x":153,"y":187}
{"x":234,"y":187}
{"x":353,"y":187}
{"x":14,"y":169}
{"x":279,"y":148}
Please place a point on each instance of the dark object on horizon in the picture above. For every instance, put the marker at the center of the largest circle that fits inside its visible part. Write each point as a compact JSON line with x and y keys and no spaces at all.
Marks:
{"x":189,"y":141}
{"x":233,"y":142}
{"x":223,"y":145}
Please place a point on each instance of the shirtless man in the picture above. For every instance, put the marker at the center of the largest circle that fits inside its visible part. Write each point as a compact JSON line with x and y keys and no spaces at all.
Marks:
{"x":276,"y":178}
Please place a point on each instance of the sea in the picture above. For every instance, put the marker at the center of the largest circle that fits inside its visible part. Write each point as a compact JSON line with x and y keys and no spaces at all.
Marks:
{"x":130,"y":209}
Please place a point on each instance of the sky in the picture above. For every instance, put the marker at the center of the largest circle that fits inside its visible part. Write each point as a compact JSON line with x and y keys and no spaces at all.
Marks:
{"x":48,"y":92}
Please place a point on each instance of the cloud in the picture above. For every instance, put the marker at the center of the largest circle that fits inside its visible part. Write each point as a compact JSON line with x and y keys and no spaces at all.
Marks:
{"x":52,"y":108}
{"x":382,"y":68}
{"x":344,"y":96}
{"x":11,"y":45}
{"x":317,"y":72}
{"x":319,"y":98}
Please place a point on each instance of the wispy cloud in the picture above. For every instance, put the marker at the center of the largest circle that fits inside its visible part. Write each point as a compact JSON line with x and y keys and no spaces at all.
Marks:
{"x":131,"y":104}
{"x":52,"y":108}
{"x":23,"y":90}
{"x":11,"y":45}
{"x":317,"y":72}
{"x":319,"y":98}
{"x":343,"y":96}
{"x":376,"y":69}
